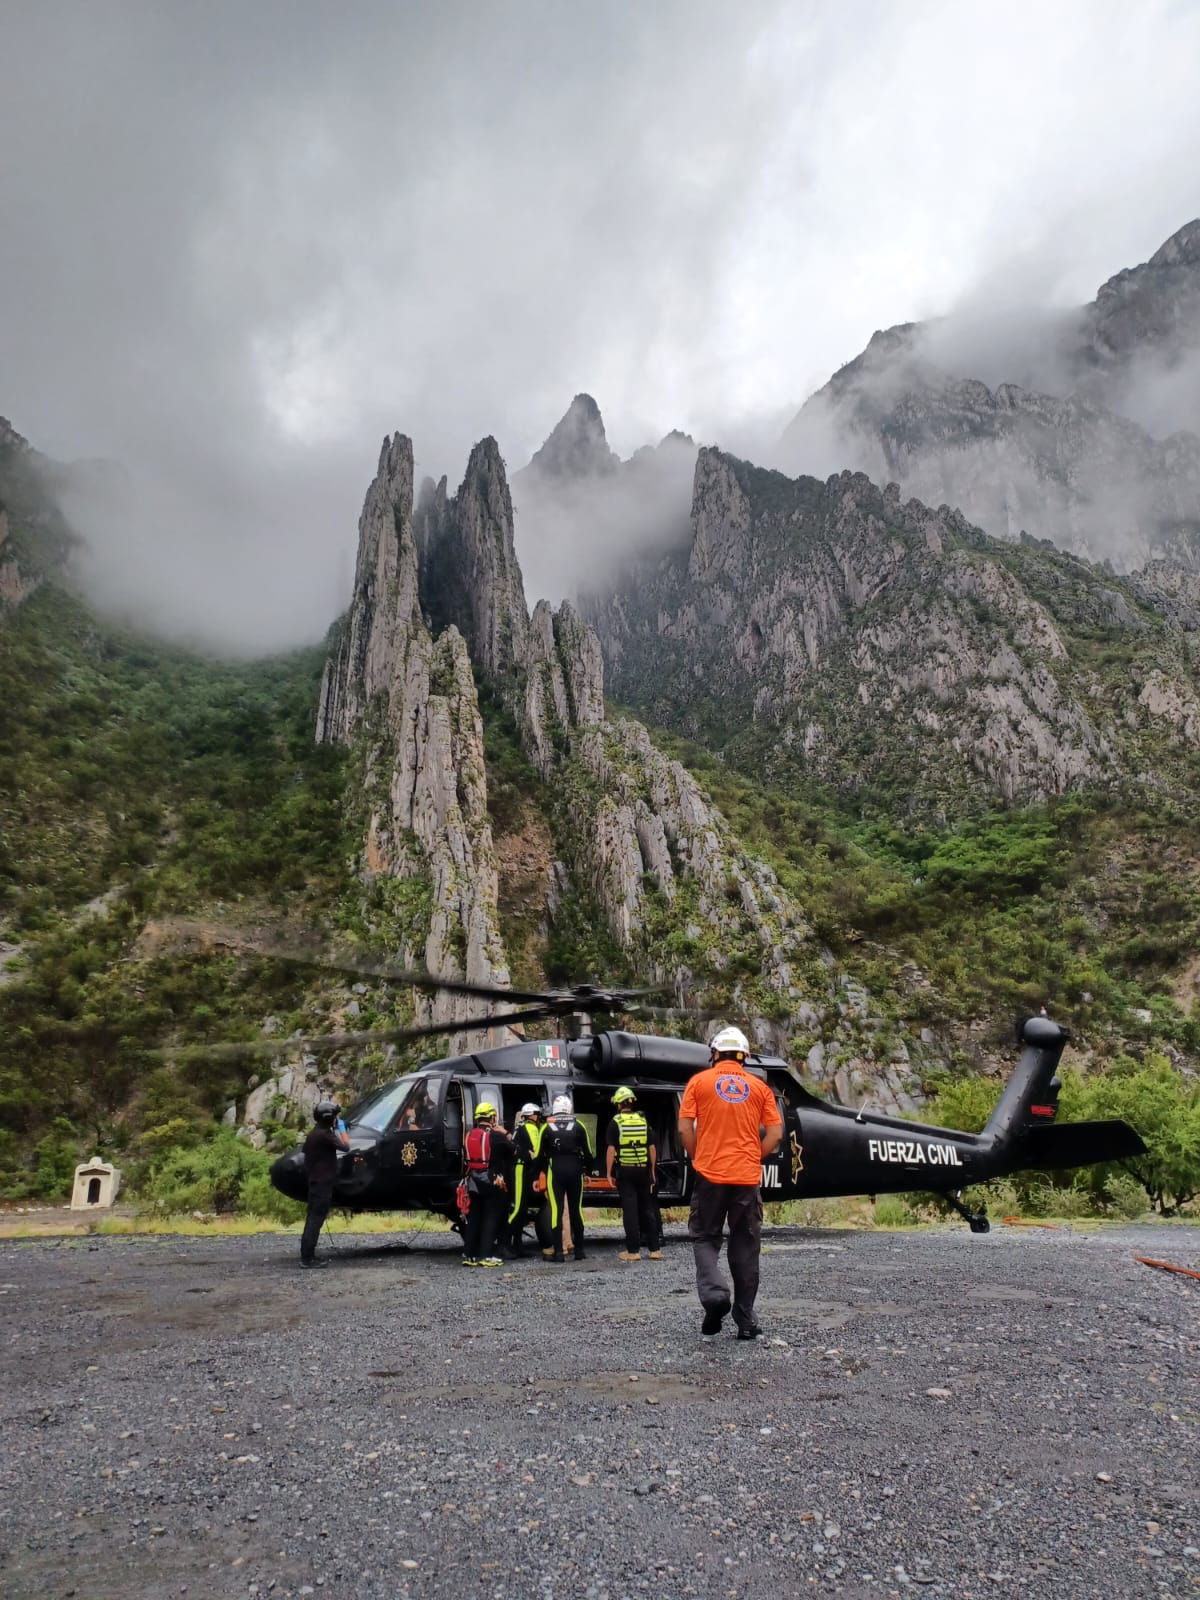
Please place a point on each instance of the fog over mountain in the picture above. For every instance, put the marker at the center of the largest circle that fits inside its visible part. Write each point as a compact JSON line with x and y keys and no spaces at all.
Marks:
{"x":242,"y":243}
{"x":1080,"y":426}
{"x":582,"y":513}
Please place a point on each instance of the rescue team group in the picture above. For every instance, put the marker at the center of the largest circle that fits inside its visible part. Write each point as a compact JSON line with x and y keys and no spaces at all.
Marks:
{"x":729,"y":1124}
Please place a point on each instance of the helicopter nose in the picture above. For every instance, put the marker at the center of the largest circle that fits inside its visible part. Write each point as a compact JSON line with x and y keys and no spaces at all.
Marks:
{"x":287,"y":1177}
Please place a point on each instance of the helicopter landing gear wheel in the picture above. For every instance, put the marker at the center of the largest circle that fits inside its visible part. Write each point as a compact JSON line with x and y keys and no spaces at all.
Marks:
{"x":977,"y":1220}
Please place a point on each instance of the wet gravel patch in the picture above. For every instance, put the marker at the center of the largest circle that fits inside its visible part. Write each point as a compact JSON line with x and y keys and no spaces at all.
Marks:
{"x":933,"y":1413}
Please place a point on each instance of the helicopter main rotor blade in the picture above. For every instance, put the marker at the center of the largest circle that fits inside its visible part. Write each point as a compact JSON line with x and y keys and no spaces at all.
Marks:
{"x":693,"y":1013}
{"x":417,"y":980}
{"x":329,"y":1043}
{"x":318,"y":955}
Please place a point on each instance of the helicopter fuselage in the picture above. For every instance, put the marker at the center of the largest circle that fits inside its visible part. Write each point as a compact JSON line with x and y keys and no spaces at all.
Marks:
{"x":406,"y":1139}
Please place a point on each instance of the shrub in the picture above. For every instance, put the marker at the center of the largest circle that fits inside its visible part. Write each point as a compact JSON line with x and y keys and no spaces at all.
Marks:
{"x":56,"y":1155}
{"x":223,"y":1175}
{"x":1125,"y":1196}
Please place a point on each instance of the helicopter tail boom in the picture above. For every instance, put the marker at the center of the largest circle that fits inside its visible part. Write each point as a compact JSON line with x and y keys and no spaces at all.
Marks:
{"x":1082,"y":1144}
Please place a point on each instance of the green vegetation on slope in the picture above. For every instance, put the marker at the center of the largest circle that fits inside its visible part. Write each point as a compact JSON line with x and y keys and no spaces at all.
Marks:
{"x":164,"y":783}
{"x":1084,"y":906}
{"x":578,"y":947}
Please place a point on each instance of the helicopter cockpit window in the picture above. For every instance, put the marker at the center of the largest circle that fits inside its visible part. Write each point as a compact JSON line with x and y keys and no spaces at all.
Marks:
{"x":377,"y":1111}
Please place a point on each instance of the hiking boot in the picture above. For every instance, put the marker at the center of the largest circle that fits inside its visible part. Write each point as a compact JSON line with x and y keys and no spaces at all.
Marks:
{"x":749,"y":1330}
{"x":714,"y":1317}
{"x":581,"y":1255}
{"x":547,"y":1252}
{"x":656,"y":1255}
{"x":629,"y":1255}
{"x":557,"y":1255}
{"x":315,"y":1262}
{"x":489,"y":1261}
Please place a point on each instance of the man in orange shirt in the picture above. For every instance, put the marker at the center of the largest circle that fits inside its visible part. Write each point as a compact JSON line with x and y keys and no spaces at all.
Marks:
{"x":729,"y":1124}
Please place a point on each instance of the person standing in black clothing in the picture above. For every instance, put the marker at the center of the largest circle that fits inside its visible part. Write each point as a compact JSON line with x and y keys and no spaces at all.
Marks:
{"x":566,"y":1155}
{"x":526,"y":1202}
{"x":321,"y":1151}
{"x":489,"y":1168}
{"x":632,"y":1162}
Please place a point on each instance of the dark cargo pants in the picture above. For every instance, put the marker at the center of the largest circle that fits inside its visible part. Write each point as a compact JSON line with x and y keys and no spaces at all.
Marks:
{"x":639,"y":1212}
{"x":320,"y":1200}
{"x":712,"y":1205}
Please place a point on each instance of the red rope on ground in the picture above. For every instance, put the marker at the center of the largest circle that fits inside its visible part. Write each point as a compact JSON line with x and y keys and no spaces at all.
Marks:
{"x":1166,"y":1266}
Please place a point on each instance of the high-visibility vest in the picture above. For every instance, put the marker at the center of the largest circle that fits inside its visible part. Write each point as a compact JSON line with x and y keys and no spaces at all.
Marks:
{"x":633,"y":1139}
{"x":534,"y":1132}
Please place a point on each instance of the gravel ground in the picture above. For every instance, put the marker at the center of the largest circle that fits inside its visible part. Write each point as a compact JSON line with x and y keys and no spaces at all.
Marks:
{"x":930,"y":1413}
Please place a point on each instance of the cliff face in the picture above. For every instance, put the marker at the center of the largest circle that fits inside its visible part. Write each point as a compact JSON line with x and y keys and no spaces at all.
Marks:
{"x":836,"y":631}
{"x":1136,"y":348}
{"x":35,"y":540}
{"x":410,"y":706}
{"x":1092,"y":442}
{"x":384,"y":612}
{"x":1013,"y":460}
{"x":469,"y":569}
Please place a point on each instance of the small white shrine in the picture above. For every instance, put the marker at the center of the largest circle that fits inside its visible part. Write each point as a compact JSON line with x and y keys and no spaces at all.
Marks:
{"x":97,"y":1184}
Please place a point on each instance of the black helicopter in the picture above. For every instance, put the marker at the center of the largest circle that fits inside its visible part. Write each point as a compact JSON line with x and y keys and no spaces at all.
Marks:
{"x":406,"y":1138}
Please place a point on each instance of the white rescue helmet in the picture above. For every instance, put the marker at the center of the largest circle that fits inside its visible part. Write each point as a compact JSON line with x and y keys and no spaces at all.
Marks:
{"x":561,"y":1106}
{"x":729,"y":1042}
{"x":528,"y":1110}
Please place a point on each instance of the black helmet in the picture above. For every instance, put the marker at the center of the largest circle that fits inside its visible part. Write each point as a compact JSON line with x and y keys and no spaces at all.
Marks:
{"x":325,"y":1112}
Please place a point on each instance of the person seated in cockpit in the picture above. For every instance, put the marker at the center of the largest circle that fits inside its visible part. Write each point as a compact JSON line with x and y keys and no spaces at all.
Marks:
{"x":418,"y":1114}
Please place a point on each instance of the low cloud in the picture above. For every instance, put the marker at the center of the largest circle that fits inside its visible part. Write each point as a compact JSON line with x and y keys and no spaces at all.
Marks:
{"x":242,"y":243}
{"x":574,"y":536}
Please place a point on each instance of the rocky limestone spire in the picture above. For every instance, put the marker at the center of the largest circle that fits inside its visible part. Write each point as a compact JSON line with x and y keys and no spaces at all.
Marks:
{"x":564,"y":684}
{"x":720,"y":515}
{"x":470,"y":573}
{"x":385,"y":605}
{"x":410,"y":708}
{"x":578,"y":446}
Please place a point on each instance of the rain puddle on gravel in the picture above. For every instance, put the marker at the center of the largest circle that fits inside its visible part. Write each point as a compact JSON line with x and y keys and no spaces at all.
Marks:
{"x":773,"y":1248}
{"x":827,"y":1314}
{"x":1001,"y":1291}
{"x":220,"y":1309}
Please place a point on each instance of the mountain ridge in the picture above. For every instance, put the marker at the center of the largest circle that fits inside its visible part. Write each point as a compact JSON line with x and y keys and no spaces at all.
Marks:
{"x":855,"y":635}
{"x":1061,"y":446}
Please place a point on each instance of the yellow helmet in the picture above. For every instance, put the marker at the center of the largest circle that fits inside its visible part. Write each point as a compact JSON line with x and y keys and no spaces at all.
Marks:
{"x":485,"y":1111}
{"x":623,"y":1095}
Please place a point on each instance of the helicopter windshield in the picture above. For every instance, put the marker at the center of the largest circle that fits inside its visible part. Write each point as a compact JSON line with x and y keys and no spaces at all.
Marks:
{"x":377,"y":1110}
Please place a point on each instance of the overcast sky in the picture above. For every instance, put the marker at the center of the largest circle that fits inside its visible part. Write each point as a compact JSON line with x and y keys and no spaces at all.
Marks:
{"x":241,"y":240}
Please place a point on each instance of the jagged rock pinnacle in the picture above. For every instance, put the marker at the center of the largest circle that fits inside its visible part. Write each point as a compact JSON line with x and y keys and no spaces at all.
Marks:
{"x":578,"y":446}
{"x":1182,"y":247}
{"x":470,"y":575}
